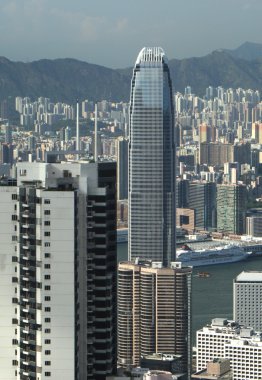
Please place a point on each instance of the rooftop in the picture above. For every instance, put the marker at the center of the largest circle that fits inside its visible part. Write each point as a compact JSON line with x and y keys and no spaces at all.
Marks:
{"x":249,"y":276}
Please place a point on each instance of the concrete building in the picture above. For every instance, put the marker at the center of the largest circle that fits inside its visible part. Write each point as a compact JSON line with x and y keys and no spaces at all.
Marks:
{"x":202,"y":199}
{"x":211,"y":339}
{"x":231,"y":208}
{"x":151,"y":160}
{"x":227,"y":339}
{"x":217,"y":369}
{"x":154,"y":312}
{"x":58,"y":272}
{"x":215,"y":154}
{"x":185,"y":218}
{"x":254,"y":225}
{"x":247,"y":299}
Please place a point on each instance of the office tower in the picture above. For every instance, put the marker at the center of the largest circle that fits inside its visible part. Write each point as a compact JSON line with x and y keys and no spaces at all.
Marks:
{"x":215,"y":154}
{"x":58,"y":274}
{"x":122,"y":168}
{"x":205,"y":133}
{"x":31,"y":141}
{"x":254,"y":225}
{"x":202,"y":199}
{"x":151,"y":159}
{"x":154,"y":304}
{"x":6,"y":151}
{"x":8,"y":134}
{"x":247,"y":299}
{"x":242,"y":153}
{"x":231,"y":208}
{"x":227,"y":339}
{"x":211,"y":339}
{"x":257,"y":132}
{"x":182,"y":189}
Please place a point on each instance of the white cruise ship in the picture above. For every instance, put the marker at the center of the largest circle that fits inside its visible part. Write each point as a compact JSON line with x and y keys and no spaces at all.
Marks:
{"x":212,"y":256}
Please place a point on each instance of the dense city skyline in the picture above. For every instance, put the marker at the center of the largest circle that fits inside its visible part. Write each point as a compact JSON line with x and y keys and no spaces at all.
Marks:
{"x":96,"y":32}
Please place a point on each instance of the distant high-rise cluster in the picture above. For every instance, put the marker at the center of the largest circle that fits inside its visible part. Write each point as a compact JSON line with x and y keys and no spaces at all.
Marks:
{"x":42,"y":111}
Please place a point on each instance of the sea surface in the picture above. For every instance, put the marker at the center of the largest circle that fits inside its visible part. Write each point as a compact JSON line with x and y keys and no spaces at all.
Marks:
{"x":212,"y":297}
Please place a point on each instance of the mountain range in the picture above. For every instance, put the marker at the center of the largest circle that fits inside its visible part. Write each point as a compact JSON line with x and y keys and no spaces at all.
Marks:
{"x":68,"y":79}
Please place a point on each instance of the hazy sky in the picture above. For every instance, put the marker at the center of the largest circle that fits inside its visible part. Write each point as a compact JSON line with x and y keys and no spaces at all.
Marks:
{"x":111,"y":32}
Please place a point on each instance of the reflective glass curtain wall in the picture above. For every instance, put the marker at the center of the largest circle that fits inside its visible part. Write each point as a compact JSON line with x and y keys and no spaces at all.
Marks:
{"x":151,"y":160}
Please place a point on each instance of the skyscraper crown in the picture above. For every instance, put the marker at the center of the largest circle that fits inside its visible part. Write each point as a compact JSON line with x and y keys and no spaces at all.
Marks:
{"x":151,"y":54}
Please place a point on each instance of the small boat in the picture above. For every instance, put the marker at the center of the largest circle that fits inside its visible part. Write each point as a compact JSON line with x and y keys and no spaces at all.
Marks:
{"x":203,"y":274}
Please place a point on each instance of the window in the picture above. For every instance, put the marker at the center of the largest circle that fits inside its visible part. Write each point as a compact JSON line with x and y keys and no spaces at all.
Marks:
{"x":47,"y":363}
{"x":47,"y":233}
{"x":14,"y":341}
{"x":14,"y":217}
{"x":47,"y":223}
{"x":47,"y":341}
{"x":47,"y":320}
{"x":47,"y":287}
{"x":47,"y":298}
{"x":47,"y":212}
{"x":47,"y":266}
{"x":47,"y":201}
{"x":14,"y":362}
{"x":48,"y":309}
{"x":47,"y":373}
{"x":47,"y":277}
{"x":47,"y":331}
{"x":47,"y":244}
{"x":47,"y":255}
{"x":47,"y":352}
{"x":14,"y":197}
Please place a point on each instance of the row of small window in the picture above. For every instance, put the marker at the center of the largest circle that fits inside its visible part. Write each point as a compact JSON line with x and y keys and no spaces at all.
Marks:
{"x":46,"y":201}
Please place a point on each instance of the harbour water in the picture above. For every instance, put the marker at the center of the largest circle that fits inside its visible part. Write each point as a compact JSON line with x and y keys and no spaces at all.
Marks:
{"x":211,"y":296}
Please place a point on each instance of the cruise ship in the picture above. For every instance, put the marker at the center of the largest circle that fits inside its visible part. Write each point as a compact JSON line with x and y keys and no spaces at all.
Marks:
{"x":213,"y":256}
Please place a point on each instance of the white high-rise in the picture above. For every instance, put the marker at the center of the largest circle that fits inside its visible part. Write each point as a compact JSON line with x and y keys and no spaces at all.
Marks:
{"x":247,"y":299}
{"x":227,"y":339}
{"x":151,"y":159}
{"x":58,"y":272}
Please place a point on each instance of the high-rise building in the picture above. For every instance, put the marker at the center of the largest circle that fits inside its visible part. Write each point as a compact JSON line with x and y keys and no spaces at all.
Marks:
{"x":231,"y":208}
{"x":58,"y":272}
{"x":215,"y":154}
{"x":154,"y":304}
{"x":247,"y":299}
{"x":227,"y":339}
{"x":151,"y":160}
{"x":122,"y":168}
{"x":202,"y":199}
{"x":257,"y":132}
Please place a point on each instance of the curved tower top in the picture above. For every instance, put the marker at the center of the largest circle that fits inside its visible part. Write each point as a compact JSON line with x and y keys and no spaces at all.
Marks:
{"x":151,"y":159}
{"x":151,"y":54}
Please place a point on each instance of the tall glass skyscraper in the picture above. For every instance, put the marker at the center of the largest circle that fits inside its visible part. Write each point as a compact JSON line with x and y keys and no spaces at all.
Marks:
{"x":151,"y":160}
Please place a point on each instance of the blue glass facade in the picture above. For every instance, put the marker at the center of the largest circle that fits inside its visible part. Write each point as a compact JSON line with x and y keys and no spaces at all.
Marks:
{"x":151,"y":160}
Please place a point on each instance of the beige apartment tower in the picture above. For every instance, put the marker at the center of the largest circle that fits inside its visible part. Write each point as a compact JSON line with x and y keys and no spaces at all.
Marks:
{"x":154,"y":311}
